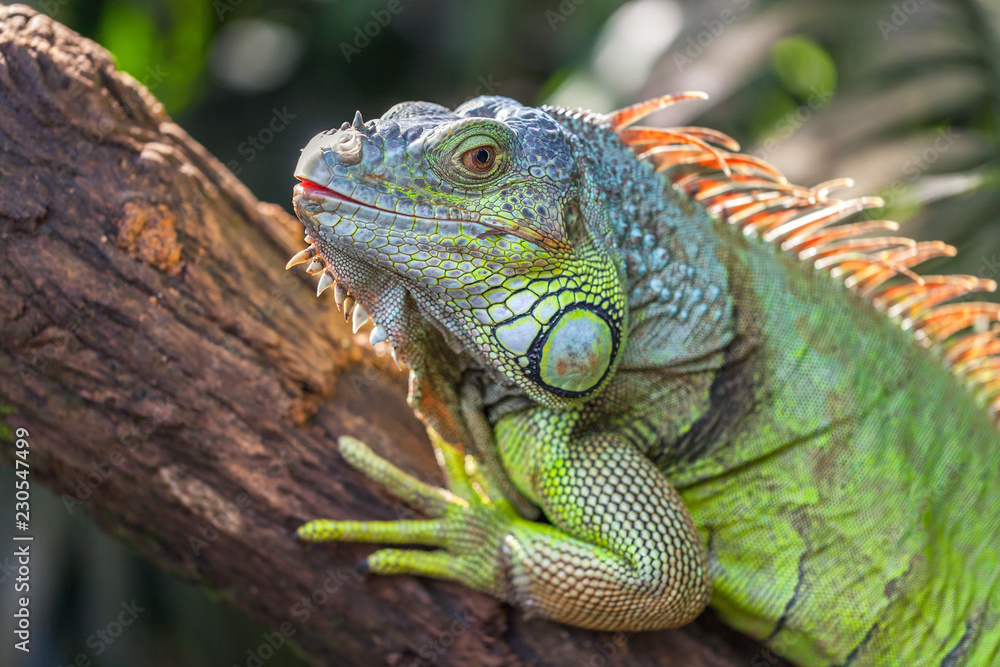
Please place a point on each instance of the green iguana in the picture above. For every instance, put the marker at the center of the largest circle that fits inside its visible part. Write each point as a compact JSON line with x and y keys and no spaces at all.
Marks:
{"x":714,"y":388}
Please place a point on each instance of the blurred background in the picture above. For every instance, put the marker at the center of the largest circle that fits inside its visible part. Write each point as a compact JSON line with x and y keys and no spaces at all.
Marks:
{"x":904,"y":96}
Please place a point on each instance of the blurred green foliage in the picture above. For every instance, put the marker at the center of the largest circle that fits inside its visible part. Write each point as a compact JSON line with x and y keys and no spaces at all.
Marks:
{"x":803,"y":66}
{"x":173,"y":36}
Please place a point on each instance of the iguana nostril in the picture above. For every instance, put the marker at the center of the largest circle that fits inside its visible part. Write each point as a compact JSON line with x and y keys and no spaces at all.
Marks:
{"x":346,"y":146}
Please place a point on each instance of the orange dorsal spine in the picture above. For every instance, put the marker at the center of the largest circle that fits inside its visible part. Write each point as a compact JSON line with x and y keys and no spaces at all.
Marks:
{"x":750,"y":194}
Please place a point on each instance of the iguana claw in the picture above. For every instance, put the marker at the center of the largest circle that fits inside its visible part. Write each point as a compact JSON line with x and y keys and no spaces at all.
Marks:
{"x":468,"y":521}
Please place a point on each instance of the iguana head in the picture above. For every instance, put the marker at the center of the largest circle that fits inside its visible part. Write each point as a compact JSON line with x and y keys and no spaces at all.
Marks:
{"x":481,"y":221}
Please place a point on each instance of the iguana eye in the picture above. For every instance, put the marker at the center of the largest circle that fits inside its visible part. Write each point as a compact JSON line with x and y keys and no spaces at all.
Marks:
{"x":480,"y":159}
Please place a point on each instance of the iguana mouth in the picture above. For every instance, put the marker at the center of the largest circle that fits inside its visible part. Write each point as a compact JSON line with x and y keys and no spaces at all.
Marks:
{"x":363,"y":289}
{"x":339,"y":229}
{"x":333,"y":265}
{"x":491,"y":225}
{"x":309,"y":188}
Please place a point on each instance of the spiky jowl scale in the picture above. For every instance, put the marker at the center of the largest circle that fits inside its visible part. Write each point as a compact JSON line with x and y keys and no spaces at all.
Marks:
{"x":712,"y":385}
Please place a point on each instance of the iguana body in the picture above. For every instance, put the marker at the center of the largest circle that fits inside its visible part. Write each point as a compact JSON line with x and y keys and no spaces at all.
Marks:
{"x":635,"y":347}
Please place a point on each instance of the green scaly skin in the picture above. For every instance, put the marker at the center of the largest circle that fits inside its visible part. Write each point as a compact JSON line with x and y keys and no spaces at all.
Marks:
{"x":699,"y":415}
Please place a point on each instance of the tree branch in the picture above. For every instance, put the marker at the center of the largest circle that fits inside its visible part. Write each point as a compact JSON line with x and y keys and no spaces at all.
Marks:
{"x":187,"y":392}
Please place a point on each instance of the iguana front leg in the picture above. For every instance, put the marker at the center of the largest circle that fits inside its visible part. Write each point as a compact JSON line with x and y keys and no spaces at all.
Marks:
{"x":623,"y":553}
{"x":628,"y":555}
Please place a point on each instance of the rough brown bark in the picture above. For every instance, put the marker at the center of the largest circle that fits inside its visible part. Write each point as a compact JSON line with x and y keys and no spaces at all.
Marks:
{"x":157,"y":350}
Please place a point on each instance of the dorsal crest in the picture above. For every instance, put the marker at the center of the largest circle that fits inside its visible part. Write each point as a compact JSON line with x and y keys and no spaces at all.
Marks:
{"x":754,"y":196}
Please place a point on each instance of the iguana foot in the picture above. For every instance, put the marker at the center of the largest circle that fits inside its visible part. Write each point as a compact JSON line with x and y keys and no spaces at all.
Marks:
{"x":468,"y":522}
